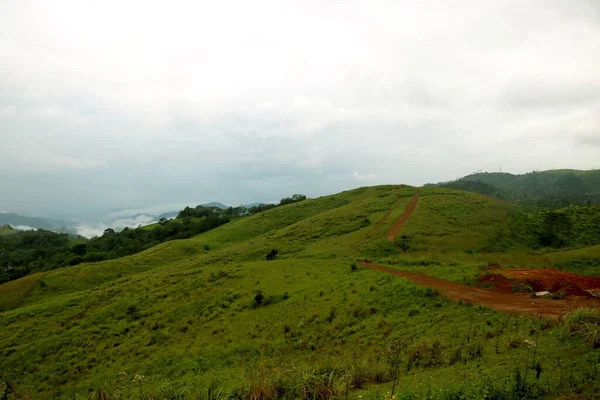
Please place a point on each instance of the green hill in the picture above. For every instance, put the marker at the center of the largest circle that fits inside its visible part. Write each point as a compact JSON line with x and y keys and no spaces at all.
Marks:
{"x":210,"y":317}
{"x":547,"y":188}
{"x":7,"y":230}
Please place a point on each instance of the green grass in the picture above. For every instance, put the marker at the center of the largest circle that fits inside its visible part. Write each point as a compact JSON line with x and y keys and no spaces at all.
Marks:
{"x":185,"y":314}
{"x":7,"y":230}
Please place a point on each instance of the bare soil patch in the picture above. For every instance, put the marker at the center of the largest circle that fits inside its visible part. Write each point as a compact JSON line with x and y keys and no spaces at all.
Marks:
{"x":520,"y":303}
{"x":556,"y":283}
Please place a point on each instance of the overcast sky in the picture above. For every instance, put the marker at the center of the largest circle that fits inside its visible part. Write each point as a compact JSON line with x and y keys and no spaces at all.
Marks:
{"x":132,"y":104}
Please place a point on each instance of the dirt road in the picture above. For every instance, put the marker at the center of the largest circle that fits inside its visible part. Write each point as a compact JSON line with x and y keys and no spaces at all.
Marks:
{"x":398,"y":224}
{"x":514,"y":302}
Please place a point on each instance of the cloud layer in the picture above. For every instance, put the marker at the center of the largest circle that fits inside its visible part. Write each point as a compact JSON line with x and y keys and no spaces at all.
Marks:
{"x":133,"y":104}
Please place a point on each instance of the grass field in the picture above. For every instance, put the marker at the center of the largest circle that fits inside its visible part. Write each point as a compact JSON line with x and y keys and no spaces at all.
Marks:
{"x":209,"y":317}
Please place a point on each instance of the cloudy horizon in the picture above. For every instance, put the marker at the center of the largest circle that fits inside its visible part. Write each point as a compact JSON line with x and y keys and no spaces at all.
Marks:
{"x":130,"y":105}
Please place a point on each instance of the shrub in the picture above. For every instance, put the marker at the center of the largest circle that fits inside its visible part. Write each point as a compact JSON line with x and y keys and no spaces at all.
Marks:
{"x":574,"y":320}
{"x":272,"y":254}
{"x":413,"y":311}
{"x":585,"y":323}
{"x":259,"y":385}
{"x":318,"y":386}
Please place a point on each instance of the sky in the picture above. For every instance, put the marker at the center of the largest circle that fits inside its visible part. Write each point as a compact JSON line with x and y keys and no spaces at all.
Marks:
{"x":118,"y":105}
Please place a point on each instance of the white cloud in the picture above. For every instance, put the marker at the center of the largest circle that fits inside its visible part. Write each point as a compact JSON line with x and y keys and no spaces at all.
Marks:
{"x":153,"y":210}
{"x":364,"y":177}
{"x":24,"y":228}
{"x":242,"y":101}
{"x":7,"y":112}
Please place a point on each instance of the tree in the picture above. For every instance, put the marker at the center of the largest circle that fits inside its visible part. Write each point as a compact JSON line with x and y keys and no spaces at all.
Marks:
{"x":294,"y":199}
{"x":79,"y":249}
{"x":108,"y":231}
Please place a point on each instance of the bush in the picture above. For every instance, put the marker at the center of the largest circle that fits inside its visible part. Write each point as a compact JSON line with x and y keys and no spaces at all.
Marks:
{"x":413,"y":311}
{"x":272,"y":254}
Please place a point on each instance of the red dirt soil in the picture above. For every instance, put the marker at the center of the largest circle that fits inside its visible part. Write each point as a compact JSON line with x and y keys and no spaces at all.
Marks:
{"x":398,"y":224}
{"x":519,"y":303}
{"x":541,"y":280}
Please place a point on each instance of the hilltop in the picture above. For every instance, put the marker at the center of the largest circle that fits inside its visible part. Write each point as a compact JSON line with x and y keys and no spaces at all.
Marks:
{"x":6,"y":230}
{"x":546,"y":188}
{"x":211,"y":316}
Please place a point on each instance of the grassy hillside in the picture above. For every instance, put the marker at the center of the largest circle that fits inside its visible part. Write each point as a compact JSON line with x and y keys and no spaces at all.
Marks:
{"x":209,"y":316}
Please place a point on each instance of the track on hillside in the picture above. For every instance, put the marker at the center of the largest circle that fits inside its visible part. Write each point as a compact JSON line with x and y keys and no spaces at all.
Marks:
{"x":400,"y":222}
{"x":519,"y":303}
{"x":380,"y":223}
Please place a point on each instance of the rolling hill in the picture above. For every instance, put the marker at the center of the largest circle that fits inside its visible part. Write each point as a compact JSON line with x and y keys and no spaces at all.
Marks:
{"x":211,"y":317}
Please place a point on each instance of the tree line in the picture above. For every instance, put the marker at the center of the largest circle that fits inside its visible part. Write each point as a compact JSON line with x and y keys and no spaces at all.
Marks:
{"x":26,"y":252}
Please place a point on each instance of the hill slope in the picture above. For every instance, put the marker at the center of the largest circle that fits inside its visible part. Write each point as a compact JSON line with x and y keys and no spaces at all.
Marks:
{"x":210,"y":313}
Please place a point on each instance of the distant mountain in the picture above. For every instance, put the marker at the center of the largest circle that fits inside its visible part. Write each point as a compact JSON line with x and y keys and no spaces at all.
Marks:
{"x":552,"y":188}
{"x":215,"y":204}
{"x":20,"y":222}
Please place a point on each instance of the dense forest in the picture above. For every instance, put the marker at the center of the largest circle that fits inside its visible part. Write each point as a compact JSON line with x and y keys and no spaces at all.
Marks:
{"x":552,"y":189}
{"x":26,"y":252}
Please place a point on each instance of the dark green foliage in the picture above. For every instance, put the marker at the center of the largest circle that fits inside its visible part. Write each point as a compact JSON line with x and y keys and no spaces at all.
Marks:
{"x":552,"y":189}
{"x":573,"y":226}
{"x":272,"y":254}
{"x":556,"y":230}
{"x":286,"y":200}
{"x":261,"y":208}
{"x":210,"y":211}
{"x":27,"y":252}
{"x":258,"y":298}
{"x":403,"y":242}
{"x":261,"y":300}
{"x":294,"y":199}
